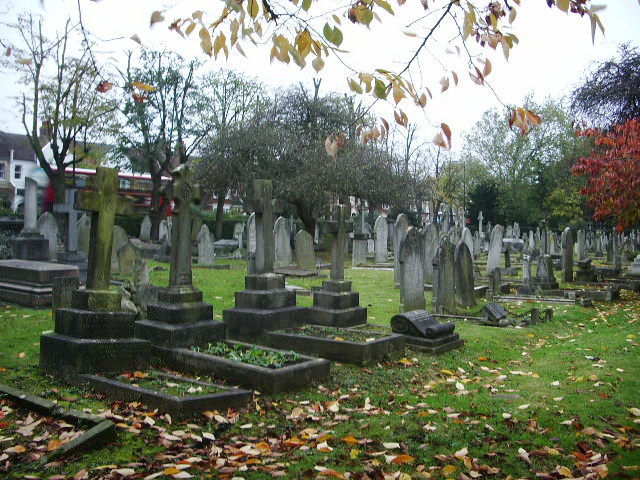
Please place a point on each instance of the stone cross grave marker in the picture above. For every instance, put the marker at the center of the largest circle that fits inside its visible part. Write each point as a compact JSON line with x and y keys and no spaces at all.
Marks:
{"x":264,"y":207}
{"x":70,"y":235}
{"x":399,"y":234}
{"x":104,"y":204}
{"x":338,"y":225}
{"x":184,"y":193}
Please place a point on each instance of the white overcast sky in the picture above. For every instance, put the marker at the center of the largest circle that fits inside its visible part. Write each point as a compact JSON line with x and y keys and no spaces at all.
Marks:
{"x":552,"y":57}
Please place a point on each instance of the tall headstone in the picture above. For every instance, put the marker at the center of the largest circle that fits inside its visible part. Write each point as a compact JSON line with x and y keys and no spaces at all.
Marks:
{"x":162,"y":230}
{"x":526,"y":288}
{"x":552,"y":244}
{"x":567,"y":255}
{"x":283,"y":255}
{"x":206,"y":251}
{"x":251,"y":244}
{"x":305,"y":256}
{"x":120,"y":237}
{"x":532,"y":241}
{"x":145,"y":229}
{"x":431,"y":238}
{"x":467,"y":238}
{"x":617,"y":250}
{"x":380,"y":231}
{"x":463,"y":275}
{"x":400,"y":231}
{"x":127,"y":255}
{"x":29,"y":244}
{"x":495,"y":248}
{"x":412,"y":272}
{"x":480,"y":218}
{"x":72,"y":254}
{"x":84,"y":234}
{"x":48,"y":228}
{"x":444,"y":283}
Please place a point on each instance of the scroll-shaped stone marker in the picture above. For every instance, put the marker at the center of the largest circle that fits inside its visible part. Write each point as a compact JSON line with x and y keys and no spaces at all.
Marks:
{"x":422,"y":331}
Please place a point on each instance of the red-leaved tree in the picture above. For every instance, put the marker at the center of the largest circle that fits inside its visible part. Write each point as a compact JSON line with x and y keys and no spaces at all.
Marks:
{"x":613,"y":173}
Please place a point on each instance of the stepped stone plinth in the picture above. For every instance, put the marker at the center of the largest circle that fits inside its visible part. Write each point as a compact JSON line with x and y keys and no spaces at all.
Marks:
{"x":335,"y":304}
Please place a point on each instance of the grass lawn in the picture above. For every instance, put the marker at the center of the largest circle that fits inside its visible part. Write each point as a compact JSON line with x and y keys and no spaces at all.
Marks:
{"x":555,"y":400}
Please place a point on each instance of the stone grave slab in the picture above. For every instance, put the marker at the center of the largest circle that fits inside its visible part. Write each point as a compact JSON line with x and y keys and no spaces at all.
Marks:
{"x":263,"y":379}
{"x":179,"y":407}
{"x":374,"y":349}
{"x":30,"y":283}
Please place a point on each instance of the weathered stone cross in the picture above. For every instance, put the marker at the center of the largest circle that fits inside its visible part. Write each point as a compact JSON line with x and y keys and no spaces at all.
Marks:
{"x":264,"y":207}
{"x":104,"y":204}
{"x":71,"y":219}
{"x":184,"y":193}
{"x":338,"y":225}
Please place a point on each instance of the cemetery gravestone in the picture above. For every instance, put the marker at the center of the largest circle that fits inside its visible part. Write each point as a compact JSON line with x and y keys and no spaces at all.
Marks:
{"x":412,"y":272}
{"x":48,"y":228}
{"x":463,"y":276}
{"x":283,"y":255}
{"x":305,"y":255}
{"x":444,"y":283}
{"x":381,"y":231}
{"x":495,"y":248}
{"x":251,"y":243}
{"x":145,"y":229}
{"x":422,"y":331}
{"x":71,"y":254}
{"x":95,"y":335}
{"x":265,"y":304}
{"x":120,"y":237}
{"x":399,"y":233}
{"x":127,"y":255}
{"x":206,"y":251}
{"x":467,"y":238}
{"x":526,"y":288}
{"x":335,"y":304}
{"x":431,"y":237}
{"x":581,"y":246}
{"x":567,"y":255}
{"x":29,"y":244}
{"x":84,"y":234}
{"x":180,"y":317}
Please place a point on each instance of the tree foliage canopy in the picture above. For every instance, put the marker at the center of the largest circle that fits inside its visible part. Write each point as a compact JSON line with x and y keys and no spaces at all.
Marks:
{"x":610,"y":93}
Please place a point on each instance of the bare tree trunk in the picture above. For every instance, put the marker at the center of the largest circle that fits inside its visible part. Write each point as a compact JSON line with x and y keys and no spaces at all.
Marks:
{"x":155,"y":212}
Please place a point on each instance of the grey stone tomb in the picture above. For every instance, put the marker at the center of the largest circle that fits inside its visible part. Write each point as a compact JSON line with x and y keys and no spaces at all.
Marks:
{"x":422,"y":331}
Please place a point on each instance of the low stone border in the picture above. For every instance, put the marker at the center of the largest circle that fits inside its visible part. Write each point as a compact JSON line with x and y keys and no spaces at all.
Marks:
{"x":267,"y":380}
{"x":100,"y":431}
{"x":359,"y":353}
{"x":177,"y":407}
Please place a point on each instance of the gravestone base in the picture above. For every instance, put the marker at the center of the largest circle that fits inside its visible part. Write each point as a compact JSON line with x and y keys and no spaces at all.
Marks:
{"x":336,"y":305}
{"x":96,"y":300}
{"x":30,"y":246}
{"x":547,"y":283}
{"x":434,"y":346}
{"x":30,"y":283}
{"x":67,"y":356}
{"x":163,"y":254}
{"x":264,"y":305}
{"x":179,"y":318}
{"x":77,"y":259}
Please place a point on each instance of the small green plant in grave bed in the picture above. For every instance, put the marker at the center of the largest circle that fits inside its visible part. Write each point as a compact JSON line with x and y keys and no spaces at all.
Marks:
{"x":335,"y":333}
{"x":155,"y":380}
{"x":253,"y":355}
